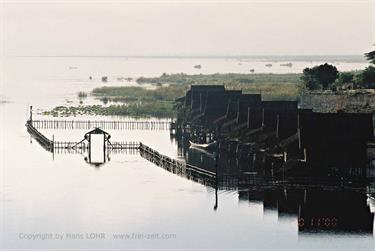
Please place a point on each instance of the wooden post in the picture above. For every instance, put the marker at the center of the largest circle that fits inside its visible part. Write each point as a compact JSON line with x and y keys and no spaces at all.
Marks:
{"x":277,"y":125}
{"x":263,"y":117}
{"x":248,"y":117}
{"x":285,"y":156}
{"x":31,"y":114}
{"x":299,"y":131}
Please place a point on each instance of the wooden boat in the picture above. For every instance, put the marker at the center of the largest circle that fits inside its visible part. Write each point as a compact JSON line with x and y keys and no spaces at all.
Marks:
{"x":203,"y":146}
{"x":287,"y":64}
{"x":204,"y":151}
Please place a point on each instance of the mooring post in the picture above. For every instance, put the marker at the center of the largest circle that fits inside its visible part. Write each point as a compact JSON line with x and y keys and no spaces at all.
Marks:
{"x":299,"y":131}
{"x":277,"y":125}
{"x":31,"y":114}
{"x":216,"y":180}
{"x":53,"y":146}
{"x":262,"y":117}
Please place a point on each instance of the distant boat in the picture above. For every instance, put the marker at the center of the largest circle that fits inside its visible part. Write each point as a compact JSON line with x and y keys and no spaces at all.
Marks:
{"x":287,"y":64}
{"x":198,"y":66}
{"x":252,"y":70}
{"x":124,"y":78}
{"x":203,"y":146}
{"x":104,"y":79}
{"x":269,"y":65}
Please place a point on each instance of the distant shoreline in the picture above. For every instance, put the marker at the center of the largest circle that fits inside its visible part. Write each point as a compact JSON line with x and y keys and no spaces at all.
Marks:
{"x":296,"y":58}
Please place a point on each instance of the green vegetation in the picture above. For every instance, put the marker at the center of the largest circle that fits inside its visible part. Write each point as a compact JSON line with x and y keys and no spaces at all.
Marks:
{"x":159,"y":102}
{"x":218,"y":79}
{"x":270,"y":91}
{"x":319,"y":77}
{"x":137,"y":102}
{"x":135,"y":110}
{"x":271,"y":86}
{"x":344,"y":78}
{"x":366,"y":78}
{"x":370,"y":56}
{"x":137,"y":94}
{"x":326,"y":77}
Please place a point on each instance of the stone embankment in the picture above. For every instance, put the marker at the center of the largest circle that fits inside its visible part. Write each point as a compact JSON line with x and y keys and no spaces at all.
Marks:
{"x":349,"y":101}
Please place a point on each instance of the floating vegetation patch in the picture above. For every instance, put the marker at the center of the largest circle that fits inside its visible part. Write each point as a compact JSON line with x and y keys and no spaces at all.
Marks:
{"x":159,"y":109}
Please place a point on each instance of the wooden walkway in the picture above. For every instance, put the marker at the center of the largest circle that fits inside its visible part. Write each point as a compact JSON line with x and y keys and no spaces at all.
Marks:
{"x":103,"y":124}
{"x":167,"y":162}
{"x":116,"y":145}
{"x":126,"y":151}
{"x":43,"y":140}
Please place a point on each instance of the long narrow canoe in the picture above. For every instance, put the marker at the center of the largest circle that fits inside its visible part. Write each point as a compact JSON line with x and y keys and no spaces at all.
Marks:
{"x":203,"y":146}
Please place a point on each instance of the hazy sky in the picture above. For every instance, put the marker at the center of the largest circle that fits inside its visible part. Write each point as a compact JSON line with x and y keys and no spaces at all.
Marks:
{"x":278,"y":27}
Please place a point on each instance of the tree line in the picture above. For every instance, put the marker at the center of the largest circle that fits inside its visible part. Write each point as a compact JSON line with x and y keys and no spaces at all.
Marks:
{"x":327,"y":77}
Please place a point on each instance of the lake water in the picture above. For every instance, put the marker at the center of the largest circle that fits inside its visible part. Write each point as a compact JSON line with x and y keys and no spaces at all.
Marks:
{"x":129,"y":202}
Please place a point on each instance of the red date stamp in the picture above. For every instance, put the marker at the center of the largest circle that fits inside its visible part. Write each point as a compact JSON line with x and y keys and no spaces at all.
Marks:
{"x":321,"y":222}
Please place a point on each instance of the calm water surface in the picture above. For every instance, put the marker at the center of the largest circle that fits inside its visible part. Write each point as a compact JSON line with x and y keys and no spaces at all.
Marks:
{"x":44,"y":194}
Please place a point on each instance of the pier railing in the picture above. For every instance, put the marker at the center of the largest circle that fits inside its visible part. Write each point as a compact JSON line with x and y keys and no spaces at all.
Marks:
{"x":165,"y":161}
{"x":43,"y":140}
{"x":103,"y":124}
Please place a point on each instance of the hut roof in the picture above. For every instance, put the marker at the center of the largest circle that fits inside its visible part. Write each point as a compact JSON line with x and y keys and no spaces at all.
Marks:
{"x":97,"y":131}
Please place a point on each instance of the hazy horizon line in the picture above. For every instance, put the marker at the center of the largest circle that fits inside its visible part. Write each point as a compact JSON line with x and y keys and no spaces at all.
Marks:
{"x":199,"y":56}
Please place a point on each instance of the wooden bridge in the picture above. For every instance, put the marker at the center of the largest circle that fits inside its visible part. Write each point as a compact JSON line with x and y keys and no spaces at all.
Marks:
{"x":103,"y":124}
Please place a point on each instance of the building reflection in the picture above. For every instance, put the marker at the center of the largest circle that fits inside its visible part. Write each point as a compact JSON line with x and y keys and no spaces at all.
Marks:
{"x":316,"y":210}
